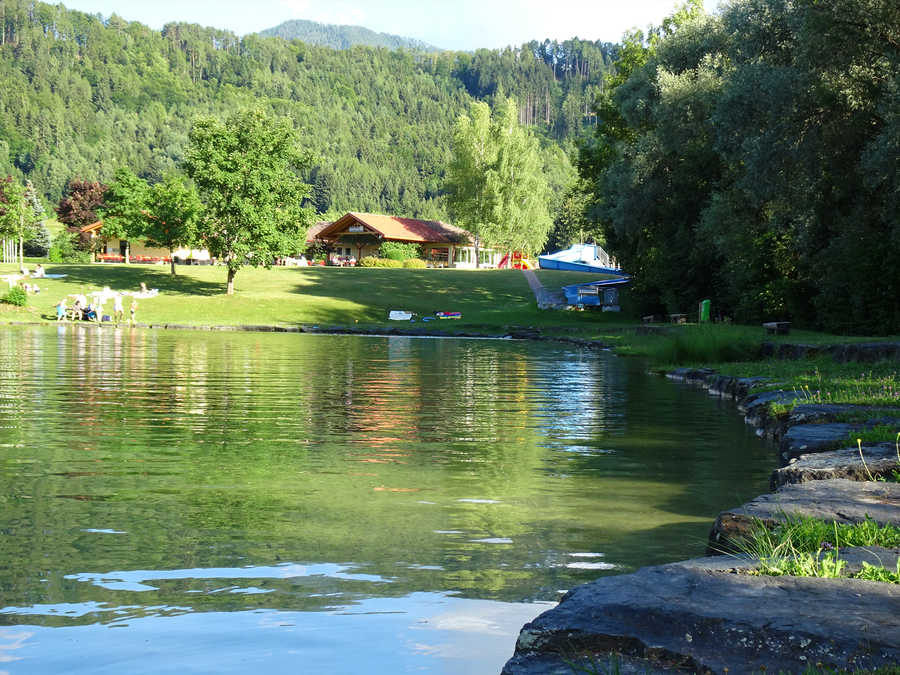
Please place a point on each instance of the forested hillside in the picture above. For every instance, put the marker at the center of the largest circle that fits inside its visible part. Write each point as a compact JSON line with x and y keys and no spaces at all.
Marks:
{"x":82,"y":97}
{"x":342,"y":37}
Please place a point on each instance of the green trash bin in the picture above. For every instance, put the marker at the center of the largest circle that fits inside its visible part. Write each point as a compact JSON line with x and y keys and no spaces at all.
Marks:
{"x":704,"y":311}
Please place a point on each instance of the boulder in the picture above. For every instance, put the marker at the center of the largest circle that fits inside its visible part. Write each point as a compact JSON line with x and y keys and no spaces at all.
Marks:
{"x":881,"y":459}
{"x":802,"y":439}
{"x":701,"y":616}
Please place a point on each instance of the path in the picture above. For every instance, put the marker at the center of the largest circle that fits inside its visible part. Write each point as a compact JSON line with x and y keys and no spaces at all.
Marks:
{"x":546,"y":298}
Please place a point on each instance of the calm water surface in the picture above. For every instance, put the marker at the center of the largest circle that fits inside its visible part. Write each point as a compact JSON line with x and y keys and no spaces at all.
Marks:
{"x":209,"y":502}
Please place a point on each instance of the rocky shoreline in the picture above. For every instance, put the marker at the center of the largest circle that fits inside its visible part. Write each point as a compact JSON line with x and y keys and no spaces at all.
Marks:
{"x":705,"y":615}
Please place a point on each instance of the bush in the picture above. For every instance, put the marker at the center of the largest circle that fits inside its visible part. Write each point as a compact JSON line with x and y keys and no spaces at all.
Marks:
{"x":16,"y":296}
{"x":398,"y":250}
{"x":64,"y":249}
{"x":414,"y":263}
{"x":371,"y":261}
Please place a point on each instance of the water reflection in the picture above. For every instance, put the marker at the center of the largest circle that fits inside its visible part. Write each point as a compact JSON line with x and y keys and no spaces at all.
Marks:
{"x":153,"y":479}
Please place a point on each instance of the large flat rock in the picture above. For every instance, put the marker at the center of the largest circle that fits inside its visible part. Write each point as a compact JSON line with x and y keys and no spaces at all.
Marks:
{"x":688,"y":617}
{"x":880,"y":460}
{"x":802,"y":439}
{"x":839,"y":500}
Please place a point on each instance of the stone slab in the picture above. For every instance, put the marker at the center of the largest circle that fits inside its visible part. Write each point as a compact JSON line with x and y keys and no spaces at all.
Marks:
{"x":881,"y":459}
{"x":689,"y":618}
{"x":839,"y":500}
{"x":802,"y":439}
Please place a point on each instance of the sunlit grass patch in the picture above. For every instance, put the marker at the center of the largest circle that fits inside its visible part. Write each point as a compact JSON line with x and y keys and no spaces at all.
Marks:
{"x":811,"y":547}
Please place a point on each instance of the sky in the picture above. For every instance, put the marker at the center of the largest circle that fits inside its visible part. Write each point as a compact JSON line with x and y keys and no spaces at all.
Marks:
{"x":449,"y":24}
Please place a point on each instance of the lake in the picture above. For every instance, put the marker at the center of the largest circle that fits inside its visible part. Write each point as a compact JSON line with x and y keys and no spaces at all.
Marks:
{"x":224,"y":502}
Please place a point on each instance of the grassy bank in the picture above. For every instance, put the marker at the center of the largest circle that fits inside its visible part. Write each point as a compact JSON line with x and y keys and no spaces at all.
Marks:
{"x":489,"y":300}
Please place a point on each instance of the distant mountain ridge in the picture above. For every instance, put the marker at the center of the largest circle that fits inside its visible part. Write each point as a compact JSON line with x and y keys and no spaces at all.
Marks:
{"x":342,"y":37}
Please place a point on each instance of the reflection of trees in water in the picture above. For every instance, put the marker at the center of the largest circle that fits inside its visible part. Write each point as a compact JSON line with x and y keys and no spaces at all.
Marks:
{"x":439,"y":464}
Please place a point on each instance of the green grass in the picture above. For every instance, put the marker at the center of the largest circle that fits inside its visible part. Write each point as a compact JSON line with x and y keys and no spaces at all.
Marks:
{"x":811,"y":548}
{"x":697,"y":344}
{"x":490,"y":300}
{"x":822,"y":380}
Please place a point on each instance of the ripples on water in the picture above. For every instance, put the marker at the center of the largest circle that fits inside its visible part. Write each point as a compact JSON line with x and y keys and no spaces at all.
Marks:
{"x":219,"y":502}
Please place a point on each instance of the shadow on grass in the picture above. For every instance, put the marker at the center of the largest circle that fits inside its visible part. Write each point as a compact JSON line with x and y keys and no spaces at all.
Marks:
{"x":123,"y":278}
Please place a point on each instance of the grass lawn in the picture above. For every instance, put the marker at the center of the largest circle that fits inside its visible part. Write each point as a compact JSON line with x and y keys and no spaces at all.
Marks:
{"x":490,"y":300}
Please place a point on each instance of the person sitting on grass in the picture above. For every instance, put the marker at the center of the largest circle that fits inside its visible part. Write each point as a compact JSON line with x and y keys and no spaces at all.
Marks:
{"x":90,"y":314}
{"x":38,"y":272}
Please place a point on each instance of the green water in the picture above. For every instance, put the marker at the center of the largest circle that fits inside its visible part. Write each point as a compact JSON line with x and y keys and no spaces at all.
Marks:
{"x":209,"y":502}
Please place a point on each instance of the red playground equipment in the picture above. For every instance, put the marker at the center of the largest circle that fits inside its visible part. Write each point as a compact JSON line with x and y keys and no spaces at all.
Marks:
{"x":517,"y":262}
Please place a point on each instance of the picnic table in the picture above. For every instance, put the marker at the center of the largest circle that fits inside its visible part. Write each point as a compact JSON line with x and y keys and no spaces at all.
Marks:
{"x":777,"y":327}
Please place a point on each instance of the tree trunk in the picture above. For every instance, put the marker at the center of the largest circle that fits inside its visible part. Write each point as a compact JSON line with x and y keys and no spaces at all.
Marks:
{"x":230,"y":288}
{"x":172,"y":261}
{"x":477,"y":260}
{"x":127,"y":252}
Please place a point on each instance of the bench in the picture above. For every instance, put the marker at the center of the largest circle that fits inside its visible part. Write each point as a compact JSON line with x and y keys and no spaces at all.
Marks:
{"x":777,"y":327}
{"x":678,"y":318}
{"x":650,"y":318}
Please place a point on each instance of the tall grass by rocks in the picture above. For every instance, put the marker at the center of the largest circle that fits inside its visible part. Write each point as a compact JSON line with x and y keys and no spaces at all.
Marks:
{"x":810,"y":547}
{"x":709,"y":343}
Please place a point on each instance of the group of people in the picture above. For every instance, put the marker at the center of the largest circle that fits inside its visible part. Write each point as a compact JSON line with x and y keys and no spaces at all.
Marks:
{"x":25,"y":279}
{"x":84,"y":310}
{"x":337,"y":261}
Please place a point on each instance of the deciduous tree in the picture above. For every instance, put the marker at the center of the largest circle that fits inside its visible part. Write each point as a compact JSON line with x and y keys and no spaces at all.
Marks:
{"x":82,"y":203}
{"x":246,"y":171}
{"x":16,"y":216}
{"x":495,"y":184}
{"x":124,"y":211}
{"x":175,"y":213}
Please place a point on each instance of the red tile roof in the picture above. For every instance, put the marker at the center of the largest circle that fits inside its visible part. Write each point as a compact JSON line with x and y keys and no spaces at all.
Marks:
{"x":398,"y":229}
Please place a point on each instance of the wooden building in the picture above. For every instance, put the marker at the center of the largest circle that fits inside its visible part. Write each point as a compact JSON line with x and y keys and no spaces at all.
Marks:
{"x":442,"y":245}
{"x":117,"y":250}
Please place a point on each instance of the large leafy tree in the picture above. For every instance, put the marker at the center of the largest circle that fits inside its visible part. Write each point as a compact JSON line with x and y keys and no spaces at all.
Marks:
{"x":16,"y":215}
{"x":125,"y":207}
{"x":82,"y":203}
{"x":752,"y":158}
{"x":174,"y":215}
{"x":495,"y":183}
{"x":247,"y":173}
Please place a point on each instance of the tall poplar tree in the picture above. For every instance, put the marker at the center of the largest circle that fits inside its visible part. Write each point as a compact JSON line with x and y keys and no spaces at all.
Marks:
{"x":495,"y":183}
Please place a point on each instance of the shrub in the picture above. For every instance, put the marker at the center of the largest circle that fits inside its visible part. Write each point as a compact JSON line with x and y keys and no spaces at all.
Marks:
{"x":414,"y":263}
{"x":64,"y":250}
{"x":398,"y":250}
{"x":16,"y":296}
{"x":371,"y":261}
